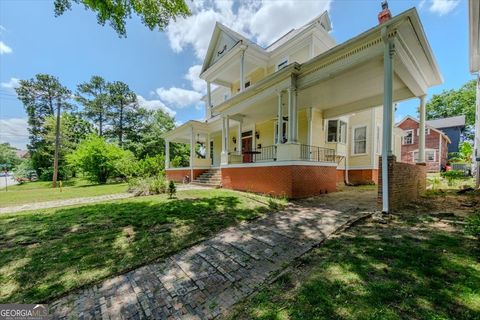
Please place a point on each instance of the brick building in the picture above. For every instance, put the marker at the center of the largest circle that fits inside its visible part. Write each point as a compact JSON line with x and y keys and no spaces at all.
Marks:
{"x":436,"y":144}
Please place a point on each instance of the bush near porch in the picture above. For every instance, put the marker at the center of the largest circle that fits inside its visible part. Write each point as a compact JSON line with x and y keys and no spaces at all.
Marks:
{"x":44,"y":254}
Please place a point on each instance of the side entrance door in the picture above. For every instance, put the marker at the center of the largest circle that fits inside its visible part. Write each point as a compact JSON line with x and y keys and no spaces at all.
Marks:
{"x":246,"y":148}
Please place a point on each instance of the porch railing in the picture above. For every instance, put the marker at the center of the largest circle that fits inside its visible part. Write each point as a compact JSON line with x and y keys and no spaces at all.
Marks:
{"x":268,"y":153}
{"x":318,"y":154}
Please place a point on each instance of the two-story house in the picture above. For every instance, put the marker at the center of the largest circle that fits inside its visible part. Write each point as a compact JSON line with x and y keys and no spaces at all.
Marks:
{"x":453,"y":127}
{"x":436,"y":144}
{"x":295,"y":117}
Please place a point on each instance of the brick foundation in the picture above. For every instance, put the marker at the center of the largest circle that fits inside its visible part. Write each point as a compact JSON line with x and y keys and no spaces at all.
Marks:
{"x":361,"y":176}
{"x":290,"y":181}
{"x":178,"y":175}
{"x":406,"y":182}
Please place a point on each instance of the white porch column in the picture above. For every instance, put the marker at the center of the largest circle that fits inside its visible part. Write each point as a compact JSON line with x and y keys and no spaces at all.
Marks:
{"x":224,"y":154}
{"x":227,"y":134}
{"x":192,"y":151}
{"x":292,"y":115}
{"x":167,"y":154}
{"x":280,"y":119}
{"x":242,"y":69}
{"x":388,"y":53}
{"x":239,"y":137}
{"x":207,"y":147}
{"x":421,"y":133}
{"x":476,"y":149}
{"x":209,"y":95}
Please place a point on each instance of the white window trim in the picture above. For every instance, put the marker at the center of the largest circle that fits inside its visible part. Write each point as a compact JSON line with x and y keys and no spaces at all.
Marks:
{"x":366,"y":140}
{"x":281,"y":61}
{"x":427,"y":131}
{"x":413,"y":137}
{"x":426,"y":150}
{"x":325,"y":128}
{"x":275,"y":124}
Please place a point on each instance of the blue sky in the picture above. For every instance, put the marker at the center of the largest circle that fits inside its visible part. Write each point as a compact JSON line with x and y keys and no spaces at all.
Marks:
{"x":162,"y":67}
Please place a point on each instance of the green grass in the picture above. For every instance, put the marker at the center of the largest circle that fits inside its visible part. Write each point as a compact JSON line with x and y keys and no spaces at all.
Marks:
{"x":47,"y":253}
{"x":40,"y":191}
{"x":412,"y":268}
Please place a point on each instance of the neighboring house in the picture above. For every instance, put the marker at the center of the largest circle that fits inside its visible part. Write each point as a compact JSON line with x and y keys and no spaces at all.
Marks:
{"x":436,"y":144}
{"x":453,"y":127}
{"x":288,"y":119}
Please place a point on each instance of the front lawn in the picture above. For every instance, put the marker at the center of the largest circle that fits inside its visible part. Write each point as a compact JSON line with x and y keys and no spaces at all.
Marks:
{"x":47,"y":253}
{"x":419,"y":265}
{"x":40,"y":191}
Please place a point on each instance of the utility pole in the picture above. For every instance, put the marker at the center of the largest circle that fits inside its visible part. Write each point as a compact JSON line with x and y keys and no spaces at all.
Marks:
{"x":57,"y":147}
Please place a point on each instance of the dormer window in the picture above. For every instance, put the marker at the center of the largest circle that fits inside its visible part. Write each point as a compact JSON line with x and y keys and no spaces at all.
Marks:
{"x":283,"y":63}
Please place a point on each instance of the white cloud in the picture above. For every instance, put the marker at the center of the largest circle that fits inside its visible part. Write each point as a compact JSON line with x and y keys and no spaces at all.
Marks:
{"x":178,"y":97}
{"x":11,"y":84}
{"x":263,"y":21}
{"x":154,"y":105}
{"x":4,"y":49}
{"x":442,"y":7}
{"x":2,"y":29}
{"x":193,"y":76}
{"x":15,"y":132}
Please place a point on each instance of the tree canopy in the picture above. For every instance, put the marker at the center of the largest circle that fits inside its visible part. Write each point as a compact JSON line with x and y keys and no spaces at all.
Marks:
{"x":153,"y":13}
{"x":94,"y":98}
{"x":452,"y":103}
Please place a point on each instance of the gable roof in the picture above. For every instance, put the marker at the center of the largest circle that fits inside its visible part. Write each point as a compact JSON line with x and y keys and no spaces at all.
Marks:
{"x":458,"y":121}
{"x":323,"y":19}
{"x":426,"y":126}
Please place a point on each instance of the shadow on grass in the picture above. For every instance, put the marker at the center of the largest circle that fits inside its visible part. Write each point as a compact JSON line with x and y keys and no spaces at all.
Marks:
{"x":374,"y":272}
{"x":45,"y":255}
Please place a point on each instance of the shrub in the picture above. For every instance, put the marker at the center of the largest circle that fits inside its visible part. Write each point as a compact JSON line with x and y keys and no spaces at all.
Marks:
{"x":172,"y":189}
{"x":473,"y":225}
{"x":100,"y":160}
{"x":147,"y":186}
{"x":452,"y":175}
{"x":151,"y":166}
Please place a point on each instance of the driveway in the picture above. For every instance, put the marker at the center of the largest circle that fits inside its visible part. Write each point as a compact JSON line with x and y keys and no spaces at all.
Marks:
{"x":204,"y":281}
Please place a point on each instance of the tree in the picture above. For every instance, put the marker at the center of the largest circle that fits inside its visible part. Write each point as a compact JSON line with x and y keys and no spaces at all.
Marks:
{"x":153,"y":13}
{"x":42,"y":96}
{"x":8,"y":156}
{"x":100,"y":160}
{"x":464,"y":154}
{"x":123,"y":103}
{"x":94,"y":98}
{"x":452,"y":103}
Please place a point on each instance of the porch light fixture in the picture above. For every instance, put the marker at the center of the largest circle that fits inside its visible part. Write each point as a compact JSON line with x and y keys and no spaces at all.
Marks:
{"x":257,"y":135}
{"x":234,"y":140}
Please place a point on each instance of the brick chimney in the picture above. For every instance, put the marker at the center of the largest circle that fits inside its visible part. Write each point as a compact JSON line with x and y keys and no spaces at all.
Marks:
{"x":385,"y":14}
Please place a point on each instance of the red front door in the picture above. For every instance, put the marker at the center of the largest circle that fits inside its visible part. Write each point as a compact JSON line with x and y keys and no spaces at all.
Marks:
{"x":246,"y":148}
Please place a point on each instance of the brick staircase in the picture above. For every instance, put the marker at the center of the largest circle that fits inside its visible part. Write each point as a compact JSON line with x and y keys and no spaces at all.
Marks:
{"x":210,"y":178}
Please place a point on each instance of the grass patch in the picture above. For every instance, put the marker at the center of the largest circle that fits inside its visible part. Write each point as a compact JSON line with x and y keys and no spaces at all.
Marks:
{"x":44,"y":254}
{"x":415,"y":267}
{"x":40,"y":191}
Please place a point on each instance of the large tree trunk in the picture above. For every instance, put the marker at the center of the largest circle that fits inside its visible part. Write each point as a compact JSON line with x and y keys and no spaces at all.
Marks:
{"x":57,"y":148}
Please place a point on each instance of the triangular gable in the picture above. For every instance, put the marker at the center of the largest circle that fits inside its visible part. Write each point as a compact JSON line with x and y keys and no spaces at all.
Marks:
{"x":221,"y":42}
{"x":426,"y":126}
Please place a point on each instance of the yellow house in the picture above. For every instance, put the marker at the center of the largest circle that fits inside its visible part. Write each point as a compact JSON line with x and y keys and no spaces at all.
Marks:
{"x":304,"y":113}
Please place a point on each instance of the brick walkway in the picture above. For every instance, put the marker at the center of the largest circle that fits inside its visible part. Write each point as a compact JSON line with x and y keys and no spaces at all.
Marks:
{"x":202,"y":282}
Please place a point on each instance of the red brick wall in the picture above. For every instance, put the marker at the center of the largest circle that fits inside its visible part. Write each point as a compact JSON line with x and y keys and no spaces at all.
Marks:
{"x":406,"y":182}
{"x":289,"y":181}
{"x":360,"y":176}
{"x":432,"y":141}
{"x":178,"y":175}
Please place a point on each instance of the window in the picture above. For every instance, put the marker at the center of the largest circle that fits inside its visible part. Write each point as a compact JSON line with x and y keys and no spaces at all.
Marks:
{"x":427,"y":131}
{"x":337,"y":131}
{"x":429,"y":156}
{"x":360,"y":140}
{"x":284,"y":131}
{"x":282,"y":64}
{"x":408,"y":138}
{"x":247,"y":84}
